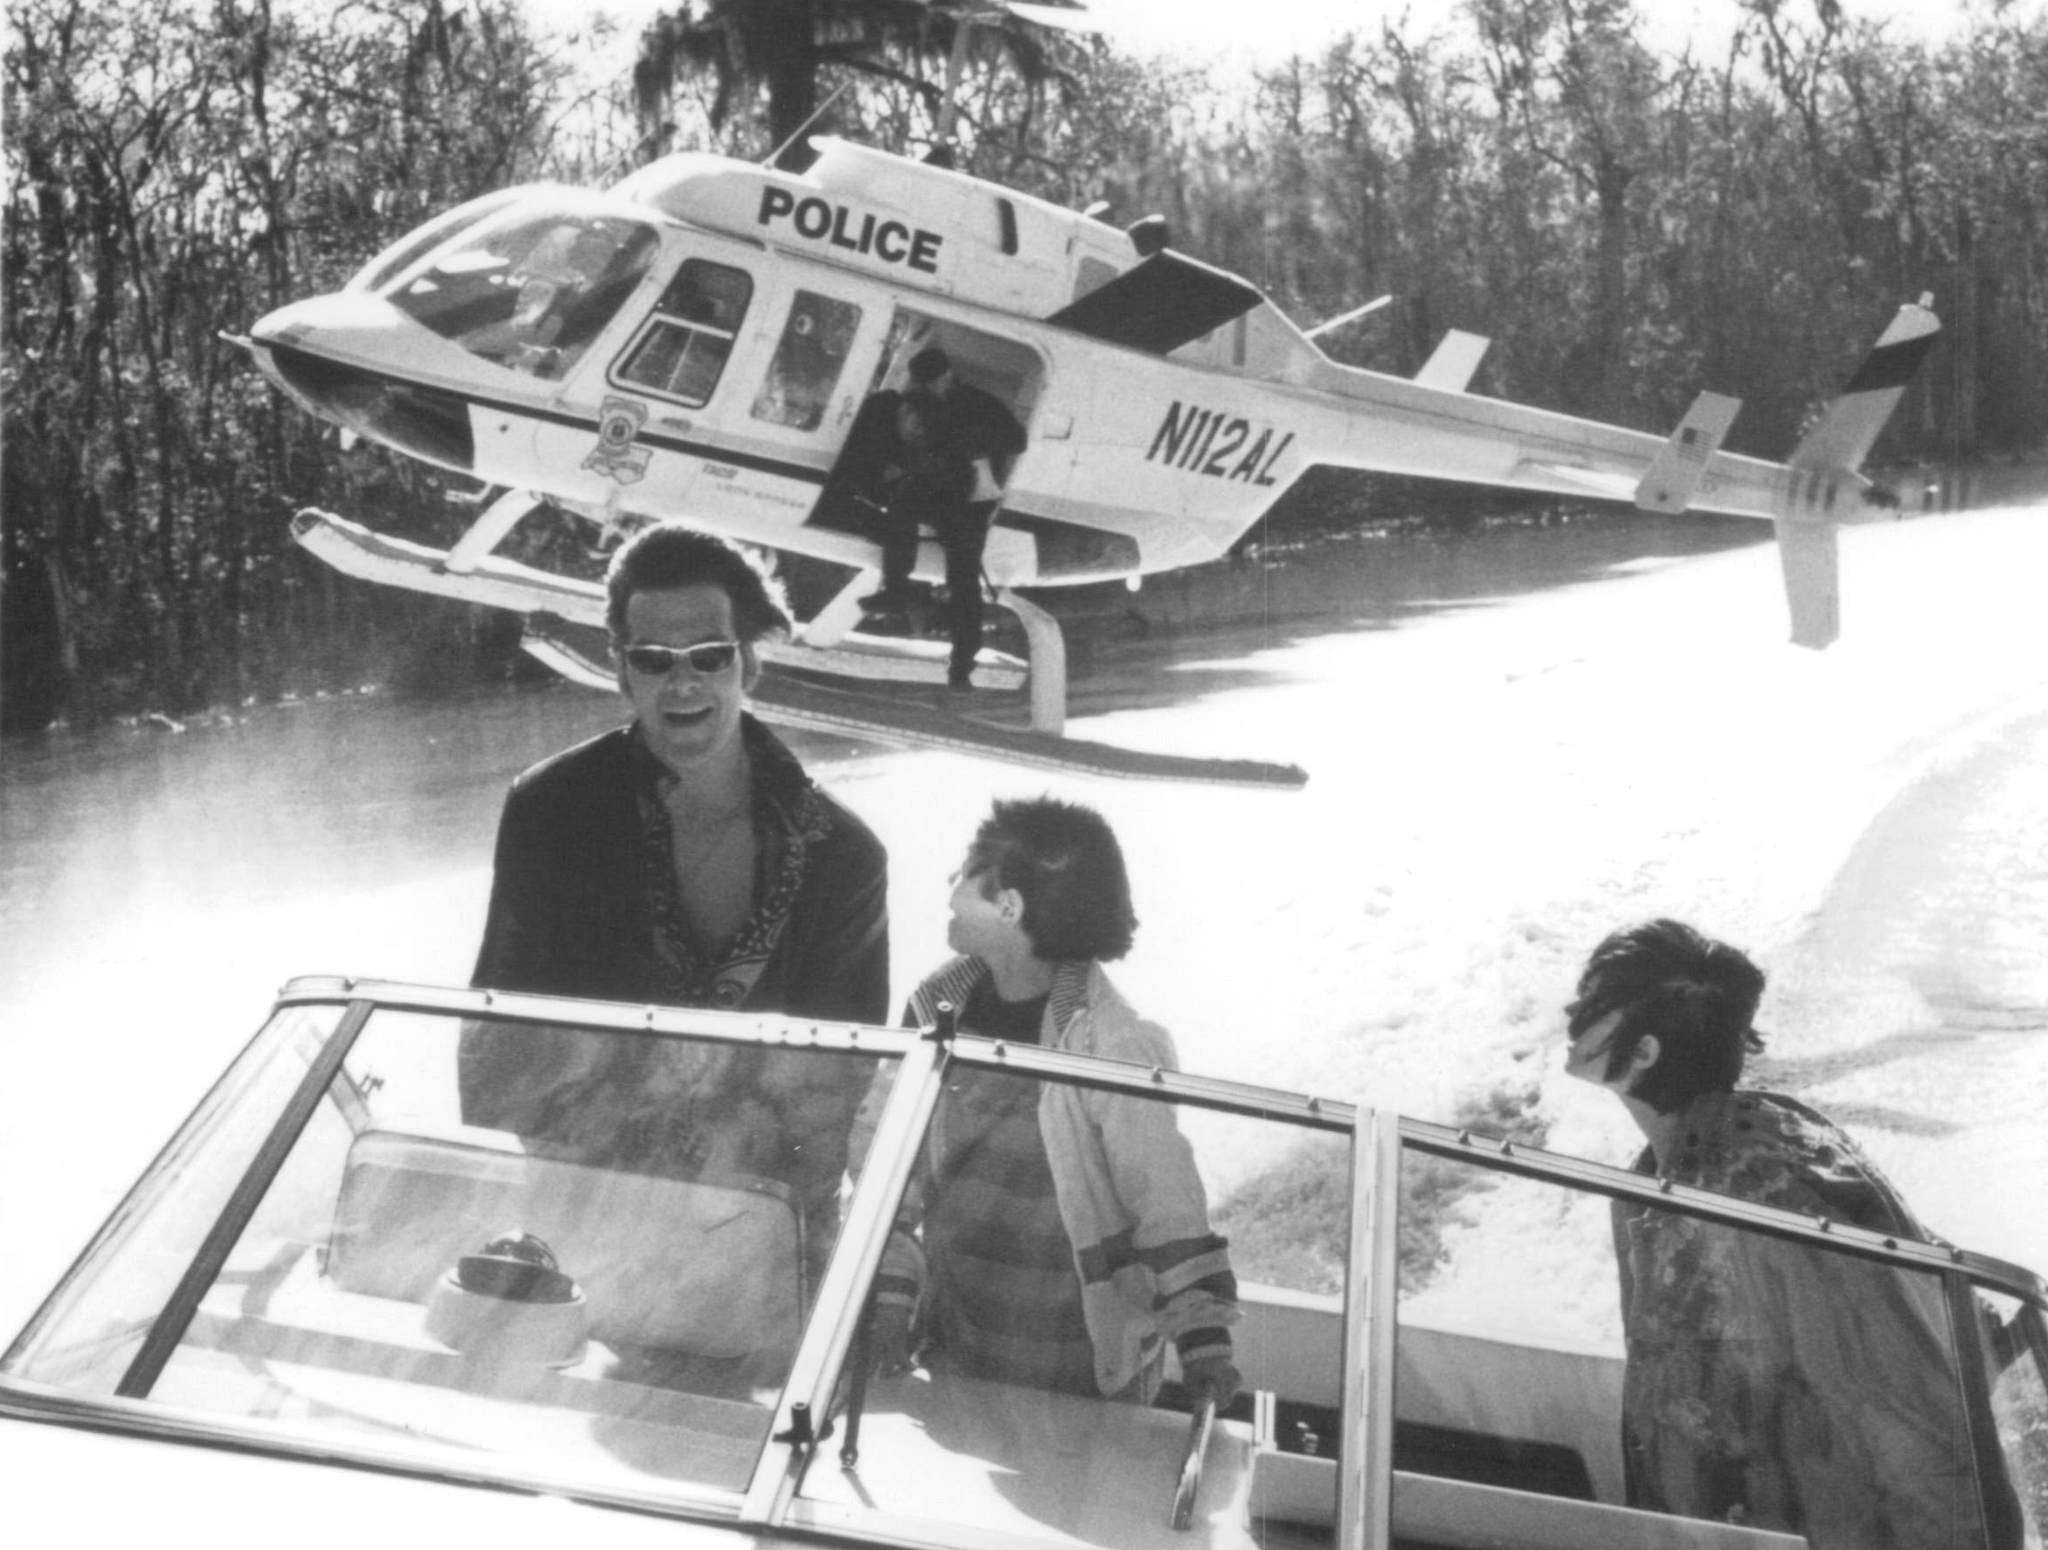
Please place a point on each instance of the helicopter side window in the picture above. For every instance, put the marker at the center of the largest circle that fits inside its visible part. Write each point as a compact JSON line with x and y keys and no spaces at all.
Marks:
{"x":682,"y":351}
{"x":815,"y":343}
{"x":532,"y":295}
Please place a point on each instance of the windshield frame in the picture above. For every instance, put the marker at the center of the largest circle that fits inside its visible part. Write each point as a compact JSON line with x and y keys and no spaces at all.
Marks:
{"x":890,"y":1152}
{"x":557,"y":291}
{"x":1370,"y":1480}
{"x":926,"y":1058}
{"x":399,"y":257}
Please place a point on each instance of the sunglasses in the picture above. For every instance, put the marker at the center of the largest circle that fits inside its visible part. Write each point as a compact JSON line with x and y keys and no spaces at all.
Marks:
{"x":705,"y":658}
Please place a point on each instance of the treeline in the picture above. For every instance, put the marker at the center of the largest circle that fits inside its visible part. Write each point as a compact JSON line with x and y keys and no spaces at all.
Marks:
{"x":176,"y":170}
{"x":1628,"y":226}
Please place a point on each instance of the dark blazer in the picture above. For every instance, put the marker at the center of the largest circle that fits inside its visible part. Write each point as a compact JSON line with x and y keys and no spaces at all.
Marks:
{"x":570,"y":915}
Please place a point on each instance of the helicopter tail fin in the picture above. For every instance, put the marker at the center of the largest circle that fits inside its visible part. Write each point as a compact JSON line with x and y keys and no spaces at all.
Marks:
{"x":1681,"y":463}
{"x":1849,"y":426}
{"x":1810,"y":558}
{"x":1451,"y":365}
{"x":1825,"y":465}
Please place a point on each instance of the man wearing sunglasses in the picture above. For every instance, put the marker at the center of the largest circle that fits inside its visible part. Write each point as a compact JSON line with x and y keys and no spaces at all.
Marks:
{"x":684,"y":860}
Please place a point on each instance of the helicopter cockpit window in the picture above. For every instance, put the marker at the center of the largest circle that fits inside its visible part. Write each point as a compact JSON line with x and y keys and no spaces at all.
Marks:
{"x":415,"y":245}
{"x":682,"y":351}
{"x":532,"y":295}
{"x":801,"y":378}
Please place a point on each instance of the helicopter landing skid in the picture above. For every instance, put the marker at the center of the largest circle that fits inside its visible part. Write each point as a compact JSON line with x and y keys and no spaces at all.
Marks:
{"x":795,"y":700}
{"x":887,"y":714}
{"x":479,"y":576}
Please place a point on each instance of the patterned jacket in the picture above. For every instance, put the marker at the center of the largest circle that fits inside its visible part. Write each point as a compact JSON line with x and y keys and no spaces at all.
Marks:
{"x":583,"y":900}
{"x":1780,"y":1385}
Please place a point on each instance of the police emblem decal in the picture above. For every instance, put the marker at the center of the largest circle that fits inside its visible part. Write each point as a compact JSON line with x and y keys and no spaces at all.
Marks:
{"x":618,"y":428}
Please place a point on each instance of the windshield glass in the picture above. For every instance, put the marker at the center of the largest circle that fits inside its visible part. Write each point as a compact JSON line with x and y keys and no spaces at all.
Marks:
{"x":595,"y":1250}
{"x":815,"y":342}
{"x":1081,"y":1263}
{"x":1569,"y":1347}
{"x":403,"y":253}
{"x":598,"y":1250}
{"x":91,"y":1330}
{"x":531,"y":293}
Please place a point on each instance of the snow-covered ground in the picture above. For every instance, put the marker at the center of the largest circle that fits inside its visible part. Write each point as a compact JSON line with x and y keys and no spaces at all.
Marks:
{"x":1494,"y":785}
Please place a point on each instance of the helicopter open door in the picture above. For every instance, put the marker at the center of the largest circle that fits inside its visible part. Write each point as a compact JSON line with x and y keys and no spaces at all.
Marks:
{"x":1012,"y":371}
{"x":1014,"y":374}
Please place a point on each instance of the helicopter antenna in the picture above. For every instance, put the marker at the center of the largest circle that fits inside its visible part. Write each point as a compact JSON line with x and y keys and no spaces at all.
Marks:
{"x":956,"y":64}
{"x":805,"y":127}
{"x":1349,"y":317}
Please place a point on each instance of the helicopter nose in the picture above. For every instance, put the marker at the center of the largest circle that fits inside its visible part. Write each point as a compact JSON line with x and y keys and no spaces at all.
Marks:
{"x":344,"y":357}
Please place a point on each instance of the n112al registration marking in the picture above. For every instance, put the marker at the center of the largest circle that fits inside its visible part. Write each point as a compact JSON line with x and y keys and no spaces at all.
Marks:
{"x":1222,"y":446}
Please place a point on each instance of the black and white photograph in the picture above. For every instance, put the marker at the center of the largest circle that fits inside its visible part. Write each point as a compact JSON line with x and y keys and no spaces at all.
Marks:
{"x":1025,"y":774}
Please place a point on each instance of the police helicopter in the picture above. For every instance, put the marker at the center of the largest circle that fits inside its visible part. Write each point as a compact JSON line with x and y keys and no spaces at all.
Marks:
{"x":695,"y":341}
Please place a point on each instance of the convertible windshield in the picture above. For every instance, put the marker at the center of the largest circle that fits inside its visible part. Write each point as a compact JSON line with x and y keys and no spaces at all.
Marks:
{"x":1069,"y":1407}
{"x":444,"y":1257}
{"x":884,"y":1287}
{"x":531,"y":293}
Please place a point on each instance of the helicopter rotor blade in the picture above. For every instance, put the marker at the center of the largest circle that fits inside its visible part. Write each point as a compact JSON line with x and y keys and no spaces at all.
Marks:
{"x":1064,"y":18}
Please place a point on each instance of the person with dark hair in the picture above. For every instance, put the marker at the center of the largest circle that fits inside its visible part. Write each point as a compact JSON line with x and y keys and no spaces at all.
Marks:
{"x":978,"y":442}
{"x":683,"y":860}
{"x":925,"y":486}
{"x":1054,"y":1236}
{"x":1769,"y":1382}
{"x":1693,"y":997}
{"x":663,"y":557}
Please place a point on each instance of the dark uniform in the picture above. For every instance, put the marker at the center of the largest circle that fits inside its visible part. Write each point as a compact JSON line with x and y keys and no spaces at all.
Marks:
{"x":977,"y":426}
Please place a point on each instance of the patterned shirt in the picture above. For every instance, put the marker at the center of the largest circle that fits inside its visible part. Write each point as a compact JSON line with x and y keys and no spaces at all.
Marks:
{"x":676,"y":1108}
{"x":789,"y":817}
{"x":1777,"y":1384}
{"x":1005,"y":1298}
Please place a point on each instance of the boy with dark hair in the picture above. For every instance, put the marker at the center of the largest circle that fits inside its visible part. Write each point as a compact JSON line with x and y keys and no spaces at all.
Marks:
{"x":1054,"y":1236}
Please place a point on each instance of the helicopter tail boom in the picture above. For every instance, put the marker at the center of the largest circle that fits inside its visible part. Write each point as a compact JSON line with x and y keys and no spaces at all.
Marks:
{"x":1431,"y":427}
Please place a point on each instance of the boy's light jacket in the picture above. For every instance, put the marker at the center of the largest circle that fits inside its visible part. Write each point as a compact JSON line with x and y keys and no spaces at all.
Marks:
{"x":1125,"y":1179}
